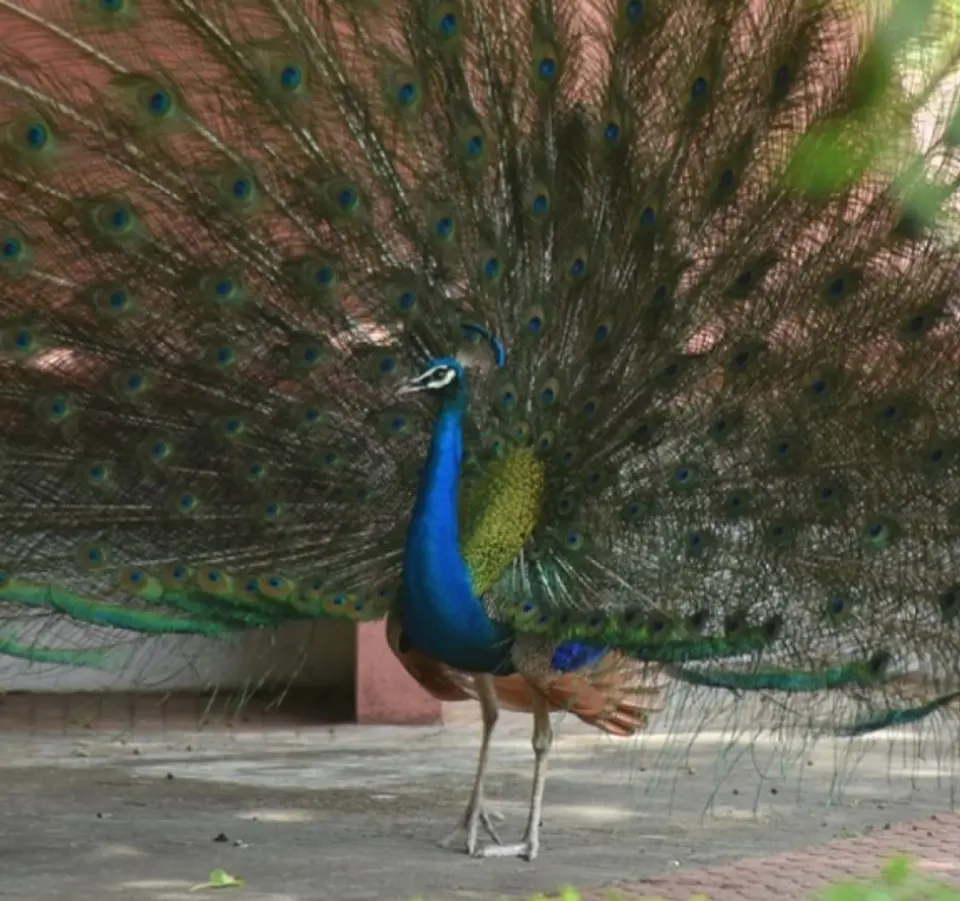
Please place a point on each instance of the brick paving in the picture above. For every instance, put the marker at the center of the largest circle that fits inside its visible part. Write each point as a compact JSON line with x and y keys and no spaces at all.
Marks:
{"x":934,"y":844}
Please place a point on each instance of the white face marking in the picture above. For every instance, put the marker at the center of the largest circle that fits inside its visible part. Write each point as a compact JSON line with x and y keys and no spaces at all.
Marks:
{"x":433,"y":379}
{"x":438,"y":377}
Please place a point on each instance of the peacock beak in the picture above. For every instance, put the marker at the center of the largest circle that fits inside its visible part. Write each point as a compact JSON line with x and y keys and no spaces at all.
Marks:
{"x":412,"y":387}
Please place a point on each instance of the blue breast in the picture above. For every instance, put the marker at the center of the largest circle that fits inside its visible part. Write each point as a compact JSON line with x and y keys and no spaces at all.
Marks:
{"x":442,"y":617}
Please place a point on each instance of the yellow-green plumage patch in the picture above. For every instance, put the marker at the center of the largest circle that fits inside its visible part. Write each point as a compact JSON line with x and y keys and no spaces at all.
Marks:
{"x":501,"y":528}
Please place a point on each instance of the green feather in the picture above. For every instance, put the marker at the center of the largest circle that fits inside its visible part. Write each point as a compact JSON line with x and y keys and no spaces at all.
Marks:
{"x":719,"y":264}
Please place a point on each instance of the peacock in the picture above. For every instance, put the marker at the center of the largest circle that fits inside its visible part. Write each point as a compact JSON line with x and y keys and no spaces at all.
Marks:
{"x":605,"y":348}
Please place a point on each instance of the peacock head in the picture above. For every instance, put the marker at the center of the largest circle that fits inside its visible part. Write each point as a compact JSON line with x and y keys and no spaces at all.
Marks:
{"x":447,"y":376}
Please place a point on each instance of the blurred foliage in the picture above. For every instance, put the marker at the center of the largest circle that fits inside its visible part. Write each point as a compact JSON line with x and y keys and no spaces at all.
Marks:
{"x":916,"y":45}
{"x":899,"y":880}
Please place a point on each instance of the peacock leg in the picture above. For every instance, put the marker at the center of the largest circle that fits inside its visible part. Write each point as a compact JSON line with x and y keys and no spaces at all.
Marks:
{"x":542,"y":742}
{"x":476,"y":814}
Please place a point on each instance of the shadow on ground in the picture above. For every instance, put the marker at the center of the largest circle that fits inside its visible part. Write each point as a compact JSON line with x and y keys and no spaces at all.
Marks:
{"x":354,"y":812}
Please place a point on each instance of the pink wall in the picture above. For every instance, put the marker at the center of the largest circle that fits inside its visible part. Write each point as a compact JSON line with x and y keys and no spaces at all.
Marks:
{"x":385,"y":692}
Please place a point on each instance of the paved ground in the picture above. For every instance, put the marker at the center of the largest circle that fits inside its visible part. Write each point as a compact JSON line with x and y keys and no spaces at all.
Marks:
{"x":352,"y":813}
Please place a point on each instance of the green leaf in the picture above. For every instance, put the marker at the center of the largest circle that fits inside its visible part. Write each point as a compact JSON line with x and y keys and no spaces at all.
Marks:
{"x":219,"y":879}
{"x":897,"y":870}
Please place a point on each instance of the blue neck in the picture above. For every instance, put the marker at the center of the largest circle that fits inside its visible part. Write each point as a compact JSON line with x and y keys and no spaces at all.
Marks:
{"x":441,"y":615}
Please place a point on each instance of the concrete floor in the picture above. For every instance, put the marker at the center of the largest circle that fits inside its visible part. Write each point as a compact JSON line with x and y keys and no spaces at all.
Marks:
{"x":353,"y":812}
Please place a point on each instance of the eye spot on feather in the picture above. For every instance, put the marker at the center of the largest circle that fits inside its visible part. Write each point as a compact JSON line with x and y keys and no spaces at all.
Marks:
{"x":578,"y":268}
{"x":449,"y":25}
{"x":291,"y":77}
{"x":120,"y":219}
{"x":648,"y":218}
{"x":782,"y":78}
{"x":348,"y":199}
{"x":475,"y":147}
{"x":97,"y":472}
{"x":700,"y":90}
{"x":37,"y":136}
{"x":12,"y":249}
{"x":492,"y":268}
{"x":224,"y":287}
{"x":635,"y":10}
{"x":547,"y":68}
{"x":541,"y":205}
{"x":407,"y":94}
{"x":880,"y":533}
{"x":242,"y":189}
{"x":160,"y":103}
{"x":444,"y":227}
{"x":388,"y":365}
{"x":611,"y":133}
{"x":160,"y":451}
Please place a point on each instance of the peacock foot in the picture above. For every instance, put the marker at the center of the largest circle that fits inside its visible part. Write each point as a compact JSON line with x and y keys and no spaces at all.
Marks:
{"x":473,"y":819}
{"x":528,"y":849}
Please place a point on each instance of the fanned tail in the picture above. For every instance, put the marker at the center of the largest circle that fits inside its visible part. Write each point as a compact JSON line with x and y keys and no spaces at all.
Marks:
{"x":717,"y":252}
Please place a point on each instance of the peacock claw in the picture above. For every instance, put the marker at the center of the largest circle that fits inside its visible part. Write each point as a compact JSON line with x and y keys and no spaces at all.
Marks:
{"x":525,"y":850}
{"x":467,"y":830}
